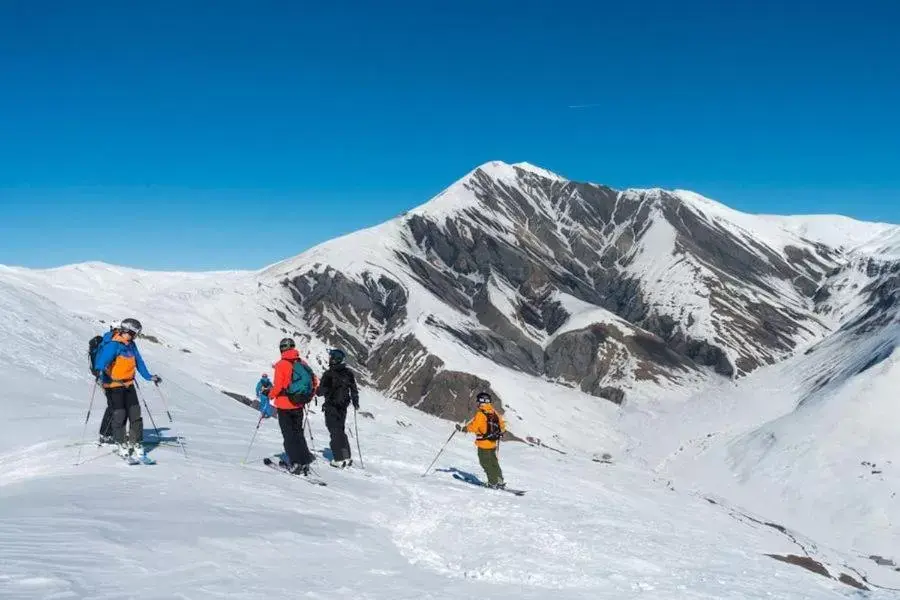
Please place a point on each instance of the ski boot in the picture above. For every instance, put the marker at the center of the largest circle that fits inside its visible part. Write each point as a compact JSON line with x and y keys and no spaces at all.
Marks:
{"x":298,"y":469}
{"x":137,"y":450}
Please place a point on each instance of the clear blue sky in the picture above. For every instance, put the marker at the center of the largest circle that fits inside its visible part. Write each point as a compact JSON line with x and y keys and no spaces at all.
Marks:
{"x":197,"y":135}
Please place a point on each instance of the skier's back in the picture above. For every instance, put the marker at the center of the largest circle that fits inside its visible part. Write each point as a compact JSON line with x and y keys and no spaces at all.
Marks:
{"x":489,"y":427}
{"x":263,"y":387}
{"x":339,"y":389}
{"x":291,"y":407}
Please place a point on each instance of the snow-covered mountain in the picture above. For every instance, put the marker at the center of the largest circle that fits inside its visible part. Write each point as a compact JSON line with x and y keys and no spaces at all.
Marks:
{"x":739,"y":368}
{"x":617,"y":294}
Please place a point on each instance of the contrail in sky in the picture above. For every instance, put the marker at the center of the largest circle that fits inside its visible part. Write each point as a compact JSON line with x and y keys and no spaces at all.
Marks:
{"x":594,"y":105}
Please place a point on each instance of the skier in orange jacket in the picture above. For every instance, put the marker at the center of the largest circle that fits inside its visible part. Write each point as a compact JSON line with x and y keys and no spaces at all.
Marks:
{"x":293,"y":386}
{"x":488,"y":427}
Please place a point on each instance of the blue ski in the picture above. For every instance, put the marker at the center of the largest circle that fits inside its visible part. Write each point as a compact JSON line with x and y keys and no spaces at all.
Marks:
{"x":479,"y":483}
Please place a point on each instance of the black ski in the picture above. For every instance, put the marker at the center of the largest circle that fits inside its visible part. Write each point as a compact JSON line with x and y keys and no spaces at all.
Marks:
{"x":277,"y":465}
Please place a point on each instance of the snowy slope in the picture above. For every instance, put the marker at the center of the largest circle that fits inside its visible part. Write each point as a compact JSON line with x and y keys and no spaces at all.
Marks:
{"x":833,"y":230}
{"x":810,"y":443}
{"x":206,"y":526}
{"x":602,"y":320}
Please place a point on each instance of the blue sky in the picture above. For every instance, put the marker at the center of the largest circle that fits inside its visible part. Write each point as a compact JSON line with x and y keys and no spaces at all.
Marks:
{"x":201,"y":135}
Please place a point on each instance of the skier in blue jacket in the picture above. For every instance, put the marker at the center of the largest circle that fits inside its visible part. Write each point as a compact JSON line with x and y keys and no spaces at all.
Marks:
{"x":117,"y":362}
{"x":263,"y":387}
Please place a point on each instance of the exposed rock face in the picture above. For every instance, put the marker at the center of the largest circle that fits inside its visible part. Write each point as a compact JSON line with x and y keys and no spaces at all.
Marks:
{"x":572,"y":282}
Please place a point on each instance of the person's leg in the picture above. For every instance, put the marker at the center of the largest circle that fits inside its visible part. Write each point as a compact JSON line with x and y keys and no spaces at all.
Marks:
{"x":343,"y":441}
{"x":106,"y":424}
{"x":490,"y":464}
{"x":115,"y":402}
{"x":135,"y":421}
{"x":291,"y":423}
{"x":335,"y":420}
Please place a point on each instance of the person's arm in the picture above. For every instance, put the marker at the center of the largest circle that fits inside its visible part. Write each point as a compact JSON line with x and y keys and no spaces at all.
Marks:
{"x":478,"y":425}
{"x":354,"y":392}
{"x":325,"y":385}
{"x":468,"y":425}
{"x":105,"y":357}
{"x":282,"y":379}
{"x":141,"y":367}
{"x":315,"y":380}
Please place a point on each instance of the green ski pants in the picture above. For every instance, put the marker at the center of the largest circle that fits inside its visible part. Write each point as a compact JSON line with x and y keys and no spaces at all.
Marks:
{"x":491,"y":466}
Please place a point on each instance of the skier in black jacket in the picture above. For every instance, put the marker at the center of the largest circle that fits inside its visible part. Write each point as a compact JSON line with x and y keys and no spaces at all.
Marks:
{"x":338,"y":387}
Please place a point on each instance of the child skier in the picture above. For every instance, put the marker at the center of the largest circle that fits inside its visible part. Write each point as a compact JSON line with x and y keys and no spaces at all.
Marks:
{"x":263,"y":387}
{"x":489,"y":427}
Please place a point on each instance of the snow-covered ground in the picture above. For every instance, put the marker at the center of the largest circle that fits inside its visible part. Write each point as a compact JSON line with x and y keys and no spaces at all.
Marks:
{"x":206,"y":526}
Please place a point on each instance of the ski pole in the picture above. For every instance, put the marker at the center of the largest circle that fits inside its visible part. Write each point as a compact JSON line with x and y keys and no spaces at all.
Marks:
{"x":253,"y":439}
{"x":312,"y":440}
{"x":86,"y":419}
{"x":358,"y":449}
{"x":441,"y":451}
{"x":147,"y":408}
{"x":166,"y":406}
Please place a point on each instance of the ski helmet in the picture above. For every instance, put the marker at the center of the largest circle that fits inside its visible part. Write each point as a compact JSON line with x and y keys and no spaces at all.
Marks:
{"x":483,"y":398}
{"x":336,"y":356}
{"x":286,"y":344}
{"x":265,"y":375}
{"x":132,"y":326}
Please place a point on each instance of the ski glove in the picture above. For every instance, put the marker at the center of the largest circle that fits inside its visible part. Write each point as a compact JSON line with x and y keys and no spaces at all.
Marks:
{"x":460,"y":427}
{"x":156,"y":379}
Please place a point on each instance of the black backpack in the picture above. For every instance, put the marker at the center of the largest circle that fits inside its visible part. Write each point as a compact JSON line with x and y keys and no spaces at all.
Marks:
{"x":341,"y":382}
{"x":93,"y":348}
{"x":494,"y":432}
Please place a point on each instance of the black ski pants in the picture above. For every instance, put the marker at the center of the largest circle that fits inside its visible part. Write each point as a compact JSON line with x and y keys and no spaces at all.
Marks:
{"x":335,"y":419}
{"x":291,"y":423}
{"x":122,"y":403}
{"x":106,"y":422}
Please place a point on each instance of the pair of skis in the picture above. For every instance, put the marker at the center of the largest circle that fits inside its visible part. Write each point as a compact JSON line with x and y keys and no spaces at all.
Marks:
{"x":140,"y":459}
{"x":279,"y":465}
{"x":479,"y":483}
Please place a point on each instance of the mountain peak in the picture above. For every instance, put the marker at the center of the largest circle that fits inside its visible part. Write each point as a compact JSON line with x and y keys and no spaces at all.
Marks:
{"x":502,"y":170}
{"x":526,"y":166}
